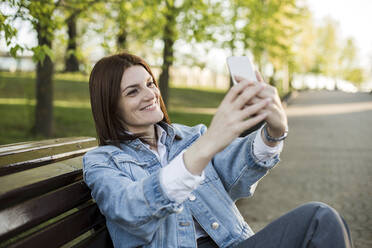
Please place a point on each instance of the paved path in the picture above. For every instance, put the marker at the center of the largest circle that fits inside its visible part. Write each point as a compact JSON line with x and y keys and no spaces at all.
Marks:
{"x":327,"y":157}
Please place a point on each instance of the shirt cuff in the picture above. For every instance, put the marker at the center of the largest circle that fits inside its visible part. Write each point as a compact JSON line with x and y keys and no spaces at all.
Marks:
{"x":262,"y":151}
{"x":177,"y":181}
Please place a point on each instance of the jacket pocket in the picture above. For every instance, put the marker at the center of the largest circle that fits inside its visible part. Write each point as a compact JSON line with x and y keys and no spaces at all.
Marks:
{"x":135,"y":169}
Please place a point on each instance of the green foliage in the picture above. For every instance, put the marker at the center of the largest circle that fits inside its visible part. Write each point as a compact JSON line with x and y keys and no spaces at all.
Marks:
{"x":6,"y":29}
{"x":39,"y":53}
{"x":267,"y":30}
{"x":40,"y":15}
{"x":8,"y":32}
{"x":355,"y":75}
{"x":321,"y":50}
{"x":14,"y":50}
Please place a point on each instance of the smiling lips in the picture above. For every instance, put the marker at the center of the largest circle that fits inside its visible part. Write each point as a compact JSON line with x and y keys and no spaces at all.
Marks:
{"x":150,"y":107}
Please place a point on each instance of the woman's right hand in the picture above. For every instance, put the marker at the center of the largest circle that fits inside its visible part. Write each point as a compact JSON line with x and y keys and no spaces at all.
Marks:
{"x":233,"y":116}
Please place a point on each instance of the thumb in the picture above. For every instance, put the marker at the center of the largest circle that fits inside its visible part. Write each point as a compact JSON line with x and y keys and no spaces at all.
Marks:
{"x":259,"y":77}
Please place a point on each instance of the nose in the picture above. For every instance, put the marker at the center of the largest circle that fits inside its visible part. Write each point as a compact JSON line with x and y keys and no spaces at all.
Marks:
{"x":149,"y":94}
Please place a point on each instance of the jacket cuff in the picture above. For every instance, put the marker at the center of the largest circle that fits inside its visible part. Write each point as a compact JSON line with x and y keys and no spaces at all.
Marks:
{"x":267,"y":162}
{"x":263,"y":151}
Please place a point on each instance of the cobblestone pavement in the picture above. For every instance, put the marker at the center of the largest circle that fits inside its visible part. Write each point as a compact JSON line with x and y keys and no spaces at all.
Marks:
{"x":327,"y":157}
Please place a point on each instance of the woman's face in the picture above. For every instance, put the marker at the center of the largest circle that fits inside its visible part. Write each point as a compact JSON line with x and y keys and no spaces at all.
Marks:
{"x":139,"y":102}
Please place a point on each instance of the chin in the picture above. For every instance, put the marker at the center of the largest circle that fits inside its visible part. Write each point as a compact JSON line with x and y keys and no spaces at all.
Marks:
{"x":160,"y":117}
{"x":157,"y":117}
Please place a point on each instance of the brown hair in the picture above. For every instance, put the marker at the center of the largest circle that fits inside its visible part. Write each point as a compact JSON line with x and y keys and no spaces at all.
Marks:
{"x":104,"y":88}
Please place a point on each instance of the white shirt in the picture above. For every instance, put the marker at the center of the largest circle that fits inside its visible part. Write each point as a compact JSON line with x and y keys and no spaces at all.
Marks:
{"x":178,"y":182}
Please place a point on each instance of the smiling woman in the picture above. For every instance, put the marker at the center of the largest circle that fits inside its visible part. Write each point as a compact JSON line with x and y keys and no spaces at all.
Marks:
{"x":169,"y":185}
{"x":125,"y":99}
{"x":139,"y":105}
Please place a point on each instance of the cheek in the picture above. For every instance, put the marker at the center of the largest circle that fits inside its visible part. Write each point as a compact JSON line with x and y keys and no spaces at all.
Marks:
{"x":157,"y":93}
{"x":125,"y":108}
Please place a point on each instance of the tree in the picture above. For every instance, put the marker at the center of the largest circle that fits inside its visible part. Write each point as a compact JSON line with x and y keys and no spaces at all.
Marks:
{"x":327,"y":49}
{"x":190,"y":21}
{"x":169,"y":37}
{"x":71,"y":62}
{"x":267,"y":29}
{"x":305,"y":44}
{"x":73,"y":10}
{"x":166,"y":20}
{"x":348,"y":66}
{"x":41,"y":15}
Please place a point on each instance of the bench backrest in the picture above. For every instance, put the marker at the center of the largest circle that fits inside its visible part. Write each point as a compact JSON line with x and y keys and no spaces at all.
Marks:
{"x":43,"y":200}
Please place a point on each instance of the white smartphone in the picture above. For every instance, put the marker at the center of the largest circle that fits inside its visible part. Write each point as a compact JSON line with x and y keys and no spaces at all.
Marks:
{"x":241,"y":66}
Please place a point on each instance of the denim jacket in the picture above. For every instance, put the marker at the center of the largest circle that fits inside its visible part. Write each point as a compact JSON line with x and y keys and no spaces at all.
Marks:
{"x":125,"y":184}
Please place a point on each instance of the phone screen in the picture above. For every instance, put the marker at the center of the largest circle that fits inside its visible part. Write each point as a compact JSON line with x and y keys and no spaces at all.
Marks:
{"x":241,"y":66}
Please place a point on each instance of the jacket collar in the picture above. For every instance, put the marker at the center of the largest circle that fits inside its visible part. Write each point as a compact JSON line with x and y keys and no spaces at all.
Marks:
{"x":171,"y":133}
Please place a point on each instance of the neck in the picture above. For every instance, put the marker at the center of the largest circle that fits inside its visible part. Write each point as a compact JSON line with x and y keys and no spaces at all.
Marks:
{"x":150,"y":134}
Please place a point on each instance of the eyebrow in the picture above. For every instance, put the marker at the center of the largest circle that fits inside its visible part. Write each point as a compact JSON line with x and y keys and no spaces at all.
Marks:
{"x":136,"y":85}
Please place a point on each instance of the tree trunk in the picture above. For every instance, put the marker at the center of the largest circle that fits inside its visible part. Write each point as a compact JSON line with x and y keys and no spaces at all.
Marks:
{"x":44,"y":90}
{"x":121,"y":41}
{"x":168,"y":56}
{"x":233,"y":37}
{"x":72,"y":62}
{"x":232,"y":48}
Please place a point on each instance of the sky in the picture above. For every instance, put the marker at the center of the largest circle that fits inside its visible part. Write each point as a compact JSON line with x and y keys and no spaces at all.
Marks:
{"x":355,"y":19}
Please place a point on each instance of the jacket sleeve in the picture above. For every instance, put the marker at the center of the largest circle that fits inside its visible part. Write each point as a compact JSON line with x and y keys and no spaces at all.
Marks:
{"x":238,"y":167}
{"x":138,"y":206}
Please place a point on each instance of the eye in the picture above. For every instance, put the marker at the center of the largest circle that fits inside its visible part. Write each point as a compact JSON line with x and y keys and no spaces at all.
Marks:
{"x":132,"y":92}
{"x":150,"y":84}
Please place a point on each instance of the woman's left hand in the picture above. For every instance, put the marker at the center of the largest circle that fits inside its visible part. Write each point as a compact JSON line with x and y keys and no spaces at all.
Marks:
{"x":276,"y":119}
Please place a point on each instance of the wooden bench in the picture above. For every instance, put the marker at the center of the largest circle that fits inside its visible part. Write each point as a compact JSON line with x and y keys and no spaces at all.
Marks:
{"x":43,"y":199}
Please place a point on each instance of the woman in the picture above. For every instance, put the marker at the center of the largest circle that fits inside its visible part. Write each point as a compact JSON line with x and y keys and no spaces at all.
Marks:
{"x":168,"y":185}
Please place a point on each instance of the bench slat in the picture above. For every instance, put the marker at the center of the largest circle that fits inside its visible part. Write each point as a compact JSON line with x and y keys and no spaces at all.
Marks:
{"x":33,"y":212}
{"x":43,"y":200}
{"x":25,"y":165}
{"x":17,"y":162}
{"x":64,"y":230}
{"x":37,"y":145}
{"x":99,"y":239}
{"x":18,"y":195}
{"x":22,"y":179}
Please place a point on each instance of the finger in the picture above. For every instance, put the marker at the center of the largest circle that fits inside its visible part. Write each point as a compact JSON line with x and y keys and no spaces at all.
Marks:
{"x":255,"y":108}
{"x":254,"y":100}
{"x":269,"y":91}
{"x":235,"y":91}
{"x":246,"y":96}
{"x":253,"y":121}
{"x":240,"y":79}
{"x":259,"y":77}
{"x":257,"y":99}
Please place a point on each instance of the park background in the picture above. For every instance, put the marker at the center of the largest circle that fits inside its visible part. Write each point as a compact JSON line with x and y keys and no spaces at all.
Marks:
{"x":56,"y":43}
{"x":320,"y":51}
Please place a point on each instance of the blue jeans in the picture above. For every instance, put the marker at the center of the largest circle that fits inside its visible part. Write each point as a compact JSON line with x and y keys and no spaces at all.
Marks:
{"x":312,"y":225}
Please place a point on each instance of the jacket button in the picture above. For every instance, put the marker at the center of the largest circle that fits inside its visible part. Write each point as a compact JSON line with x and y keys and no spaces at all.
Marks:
{"x":215,"y":225}
{"x":192,"y":197}
{"x":179,"y":210}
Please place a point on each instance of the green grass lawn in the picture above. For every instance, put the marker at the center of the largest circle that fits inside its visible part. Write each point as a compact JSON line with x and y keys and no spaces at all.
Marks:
{"x":72,"y":114}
